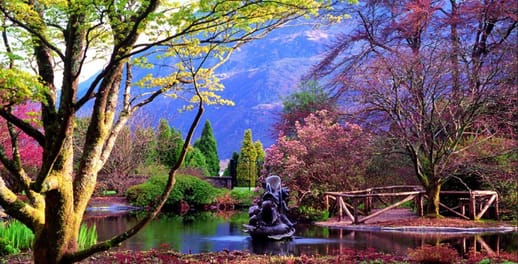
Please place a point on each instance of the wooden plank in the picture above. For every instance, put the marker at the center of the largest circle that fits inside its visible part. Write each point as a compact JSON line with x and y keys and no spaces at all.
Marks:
{"x":453,"y":211}
{"x":381,"y":194}
{"x":412,"y":187}
{"x":482,"y":193}
{"x":455,"y":192}
{"x":483,"y":244}
{"x":483,"y":210}
{"x":347,"y":212}
{"x":410,"y":197}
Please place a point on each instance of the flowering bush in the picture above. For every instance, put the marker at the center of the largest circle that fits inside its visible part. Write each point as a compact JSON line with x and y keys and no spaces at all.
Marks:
{"x":324,"y":155}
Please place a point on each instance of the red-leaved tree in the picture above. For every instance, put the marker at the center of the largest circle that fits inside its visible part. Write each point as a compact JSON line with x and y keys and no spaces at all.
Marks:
{"x":324,"y":155}
{"x":431,"y":76}
{"x":18,"y":146}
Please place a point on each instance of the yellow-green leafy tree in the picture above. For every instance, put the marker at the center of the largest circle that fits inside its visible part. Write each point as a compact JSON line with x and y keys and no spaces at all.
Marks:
{"x":246,"y":164}
{"x":46,"y":49}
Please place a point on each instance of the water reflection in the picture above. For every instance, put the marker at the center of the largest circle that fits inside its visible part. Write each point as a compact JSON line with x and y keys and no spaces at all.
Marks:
{"x":210,"y":232}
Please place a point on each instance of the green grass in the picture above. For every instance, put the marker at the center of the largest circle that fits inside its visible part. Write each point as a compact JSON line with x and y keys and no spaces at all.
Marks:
{"x":243,"y":196}
{"x":16,"y":234}
{"x":87,"y":236}
{"x":15,"y":237}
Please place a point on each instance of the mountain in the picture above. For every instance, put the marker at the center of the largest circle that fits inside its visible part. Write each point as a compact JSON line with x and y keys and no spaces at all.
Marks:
{"x":256,"y":78}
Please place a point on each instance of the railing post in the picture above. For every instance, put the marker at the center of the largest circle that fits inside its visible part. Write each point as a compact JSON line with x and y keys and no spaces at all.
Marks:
{"x":472,"y":206}
{"x":339,"y":202}
{"x":419,"y":204}
{"x":497,"y":211}
{"x":355,"y":205}
{"x":367,"y":202}
{"x":327,"y":202}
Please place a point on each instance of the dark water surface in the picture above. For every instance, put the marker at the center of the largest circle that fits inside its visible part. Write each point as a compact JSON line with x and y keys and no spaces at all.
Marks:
{"x":212,"y":232}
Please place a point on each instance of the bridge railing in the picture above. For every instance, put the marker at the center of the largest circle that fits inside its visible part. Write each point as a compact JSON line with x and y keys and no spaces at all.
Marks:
{"x":348,"y":203}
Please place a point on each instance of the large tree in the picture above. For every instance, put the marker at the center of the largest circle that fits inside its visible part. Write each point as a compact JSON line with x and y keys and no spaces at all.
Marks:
{"x":45,"y":49}
{"x":430,"y":75}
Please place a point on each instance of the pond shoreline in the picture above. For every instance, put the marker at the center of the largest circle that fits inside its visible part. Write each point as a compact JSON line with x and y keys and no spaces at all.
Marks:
{"x":403,"y":220}
{"x":343,"y":252}
{"x":424,"y":229}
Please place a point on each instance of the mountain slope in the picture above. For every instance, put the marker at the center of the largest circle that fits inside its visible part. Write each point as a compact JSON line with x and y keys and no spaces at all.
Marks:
{"x":256,"y":78}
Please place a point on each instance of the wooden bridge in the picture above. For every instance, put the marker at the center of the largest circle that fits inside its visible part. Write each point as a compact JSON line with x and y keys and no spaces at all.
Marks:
{"x":360,"y":206}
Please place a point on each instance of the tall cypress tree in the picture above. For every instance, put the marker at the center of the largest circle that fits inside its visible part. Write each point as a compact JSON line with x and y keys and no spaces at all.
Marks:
{"x":246,"y":166}
{"x":231,"y":170}
{"x":260,"y":157}
{"x":208,"y":147}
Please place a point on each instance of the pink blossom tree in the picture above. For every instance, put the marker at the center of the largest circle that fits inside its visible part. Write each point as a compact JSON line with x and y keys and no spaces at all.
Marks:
{"x":324,"y":155}
{"x":18,"y":147}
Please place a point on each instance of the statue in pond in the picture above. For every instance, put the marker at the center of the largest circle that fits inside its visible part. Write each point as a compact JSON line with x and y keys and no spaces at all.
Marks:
{"x":267,"y":219}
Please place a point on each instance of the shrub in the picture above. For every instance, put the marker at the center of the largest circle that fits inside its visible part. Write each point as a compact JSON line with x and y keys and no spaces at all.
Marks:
{"x":244,"y":197}
{"x":308,"y":213}
{"x":187,"y":188}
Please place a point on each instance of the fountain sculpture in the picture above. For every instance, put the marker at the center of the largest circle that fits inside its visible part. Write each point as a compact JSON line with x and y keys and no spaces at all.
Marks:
{"x":267,"y":218}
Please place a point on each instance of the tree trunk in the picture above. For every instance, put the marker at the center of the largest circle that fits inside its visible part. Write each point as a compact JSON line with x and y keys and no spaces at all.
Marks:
{"x":434,"y":200}
{"x":59,"y":235}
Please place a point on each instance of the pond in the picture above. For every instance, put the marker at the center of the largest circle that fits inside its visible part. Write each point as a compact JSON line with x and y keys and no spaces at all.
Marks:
{"x":212,"y":232}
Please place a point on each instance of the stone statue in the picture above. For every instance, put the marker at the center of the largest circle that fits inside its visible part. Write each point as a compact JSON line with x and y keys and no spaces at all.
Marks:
{"x":267,"y":219}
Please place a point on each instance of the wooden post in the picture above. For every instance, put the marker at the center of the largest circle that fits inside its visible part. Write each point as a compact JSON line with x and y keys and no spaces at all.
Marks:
{"x":497,"y":211}
{"x":355,"y":207}
{"x":487,"y":205}
{"x":419,"y":204}
{"x":472,"y":206}
{"x":347,"y":210}
{"x":367,"y":203}
{"x":339,"y":203}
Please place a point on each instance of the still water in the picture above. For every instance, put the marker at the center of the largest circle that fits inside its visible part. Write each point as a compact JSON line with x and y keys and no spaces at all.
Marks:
{"x":212,"y":232}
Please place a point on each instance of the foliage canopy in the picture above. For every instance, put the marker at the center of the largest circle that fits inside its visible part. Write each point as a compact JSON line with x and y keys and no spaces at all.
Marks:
{"x":45,"y":53}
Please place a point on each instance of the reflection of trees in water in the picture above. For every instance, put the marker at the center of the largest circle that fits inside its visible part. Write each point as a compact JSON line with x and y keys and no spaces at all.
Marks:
{"x":208,"y":231}
{"x":398,"y":242}
{"x":108,"y":226}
